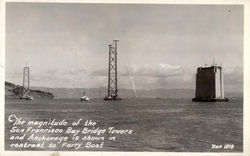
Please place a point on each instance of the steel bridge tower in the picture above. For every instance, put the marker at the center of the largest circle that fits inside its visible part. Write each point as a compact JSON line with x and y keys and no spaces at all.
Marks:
{"x":112,"y":73}
{"x":26,"y":82}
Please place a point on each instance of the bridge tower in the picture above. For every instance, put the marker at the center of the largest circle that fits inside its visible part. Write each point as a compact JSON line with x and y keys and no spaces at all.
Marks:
{"x":112,"y":73}
{"x":26,"y":82}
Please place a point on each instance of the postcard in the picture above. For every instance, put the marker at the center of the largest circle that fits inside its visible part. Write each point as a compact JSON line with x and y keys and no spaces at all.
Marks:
{"x":159,"y":78}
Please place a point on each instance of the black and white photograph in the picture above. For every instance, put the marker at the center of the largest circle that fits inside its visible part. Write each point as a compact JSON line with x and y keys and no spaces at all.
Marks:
{"x":124,"y":77}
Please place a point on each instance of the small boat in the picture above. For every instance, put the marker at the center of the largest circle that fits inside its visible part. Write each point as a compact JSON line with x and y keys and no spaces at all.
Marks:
{"x":84,"y":98}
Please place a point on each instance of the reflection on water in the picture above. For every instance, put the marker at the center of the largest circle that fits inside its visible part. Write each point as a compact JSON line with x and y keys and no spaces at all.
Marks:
{"x":171,"y":125}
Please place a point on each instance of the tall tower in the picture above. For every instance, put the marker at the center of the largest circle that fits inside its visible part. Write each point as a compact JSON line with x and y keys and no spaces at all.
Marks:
{"x":26,"y":82}
{"x":112,"y":73}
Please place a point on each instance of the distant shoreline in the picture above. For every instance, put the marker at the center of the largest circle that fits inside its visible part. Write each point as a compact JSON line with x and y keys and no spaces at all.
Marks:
{"x":100,"y":93}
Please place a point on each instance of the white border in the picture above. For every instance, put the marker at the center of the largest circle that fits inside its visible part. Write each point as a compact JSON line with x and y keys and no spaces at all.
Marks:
{"x":246,"y":107}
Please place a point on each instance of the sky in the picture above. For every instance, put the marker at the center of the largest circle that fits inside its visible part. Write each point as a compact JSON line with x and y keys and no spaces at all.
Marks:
{"x":66,"y":44}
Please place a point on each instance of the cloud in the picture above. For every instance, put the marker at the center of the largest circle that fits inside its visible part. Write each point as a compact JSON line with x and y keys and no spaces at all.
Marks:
{"x":51,"y":72}
{"x":150,"y":76}
{"x":99,"y":72}
{"x":233,"y":78}
{"x":233,"y":75}
{"x":158,"y":76}
{"x":156,"y":70}
{"x":143,"y":76}
{"x":74,"y":71}
{"x":14,"y":77}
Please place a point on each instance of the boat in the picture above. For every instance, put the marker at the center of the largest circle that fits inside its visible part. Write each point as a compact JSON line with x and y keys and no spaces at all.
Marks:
{"x":84,"y":98}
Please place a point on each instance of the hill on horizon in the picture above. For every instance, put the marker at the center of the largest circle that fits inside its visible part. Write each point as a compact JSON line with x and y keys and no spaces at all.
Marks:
{"x":127,"y":93}
{"x":13,"y":91}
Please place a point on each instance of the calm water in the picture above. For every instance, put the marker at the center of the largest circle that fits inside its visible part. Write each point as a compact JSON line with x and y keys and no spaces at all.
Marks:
{"x":171,"y":125}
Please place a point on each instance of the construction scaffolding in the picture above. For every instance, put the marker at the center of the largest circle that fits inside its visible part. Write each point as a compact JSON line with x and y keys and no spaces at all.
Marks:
{"x":112,"y":73}
{"x":26,"y":82}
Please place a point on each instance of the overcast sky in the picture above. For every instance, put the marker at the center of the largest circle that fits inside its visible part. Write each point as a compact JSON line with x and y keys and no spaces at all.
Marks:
{"x":66,"y":45}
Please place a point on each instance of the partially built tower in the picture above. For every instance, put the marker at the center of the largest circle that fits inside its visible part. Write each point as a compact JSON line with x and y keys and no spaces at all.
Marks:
{"x":26,"y":82}
{"x":112,"y":73}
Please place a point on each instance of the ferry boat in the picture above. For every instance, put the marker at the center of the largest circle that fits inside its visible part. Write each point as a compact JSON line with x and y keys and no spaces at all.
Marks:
{"x":84,"y":98}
